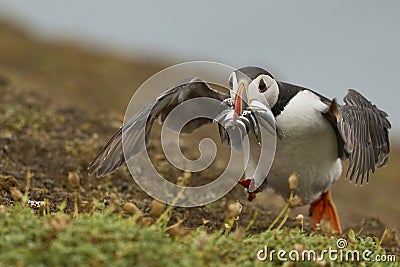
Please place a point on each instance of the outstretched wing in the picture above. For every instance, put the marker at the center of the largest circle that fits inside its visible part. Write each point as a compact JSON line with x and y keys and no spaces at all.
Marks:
{"x":111,"y":157}
{"x":365,"y":132}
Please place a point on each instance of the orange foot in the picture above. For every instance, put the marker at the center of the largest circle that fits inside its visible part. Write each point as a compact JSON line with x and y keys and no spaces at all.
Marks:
{"x":324,"y":211}
{"x":249,"y":184}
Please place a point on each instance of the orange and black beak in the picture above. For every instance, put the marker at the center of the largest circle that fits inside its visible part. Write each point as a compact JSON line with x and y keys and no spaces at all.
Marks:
{"x":238,"y":103}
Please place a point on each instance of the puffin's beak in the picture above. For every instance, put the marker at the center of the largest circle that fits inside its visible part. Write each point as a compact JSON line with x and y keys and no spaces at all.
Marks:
{"x":238,"y":103}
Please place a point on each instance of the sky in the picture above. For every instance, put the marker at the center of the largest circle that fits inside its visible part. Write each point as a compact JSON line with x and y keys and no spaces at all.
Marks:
{"x":326,"y":46}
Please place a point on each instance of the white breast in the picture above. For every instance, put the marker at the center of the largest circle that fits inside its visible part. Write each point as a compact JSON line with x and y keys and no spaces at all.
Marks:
{"x":307,"y":146}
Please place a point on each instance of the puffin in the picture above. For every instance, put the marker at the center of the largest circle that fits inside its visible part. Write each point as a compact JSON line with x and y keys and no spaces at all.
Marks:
{"x":314,"y":135}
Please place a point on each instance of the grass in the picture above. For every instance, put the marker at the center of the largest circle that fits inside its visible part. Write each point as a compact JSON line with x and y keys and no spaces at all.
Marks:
{"x":109,"y":237}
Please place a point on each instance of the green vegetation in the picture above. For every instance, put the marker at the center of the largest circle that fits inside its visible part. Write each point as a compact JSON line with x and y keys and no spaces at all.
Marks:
{"x":107,"y":237}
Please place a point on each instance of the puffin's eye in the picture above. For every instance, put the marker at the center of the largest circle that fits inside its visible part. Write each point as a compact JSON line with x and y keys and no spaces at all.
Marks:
{"x":262,"y":86}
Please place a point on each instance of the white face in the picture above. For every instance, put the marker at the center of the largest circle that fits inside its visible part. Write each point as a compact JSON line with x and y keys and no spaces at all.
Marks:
{"x":263,"y":89}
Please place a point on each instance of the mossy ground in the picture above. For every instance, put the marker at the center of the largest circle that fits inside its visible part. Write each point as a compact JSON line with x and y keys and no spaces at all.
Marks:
{"x":108,"y":237}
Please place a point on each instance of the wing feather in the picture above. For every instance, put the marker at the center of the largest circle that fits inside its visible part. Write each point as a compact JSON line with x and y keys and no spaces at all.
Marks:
{"x":111,"y":156}
{"x":365,"y":131}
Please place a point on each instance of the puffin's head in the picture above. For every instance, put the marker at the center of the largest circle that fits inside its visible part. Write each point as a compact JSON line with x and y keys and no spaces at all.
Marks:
{"x":250,"y":84}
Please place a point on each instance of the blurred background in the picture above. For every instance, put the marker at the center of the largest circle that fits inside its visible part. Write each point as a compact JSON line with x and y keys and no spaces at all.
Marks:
{"x":328,"y":47}
{"x":94,"y":54}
